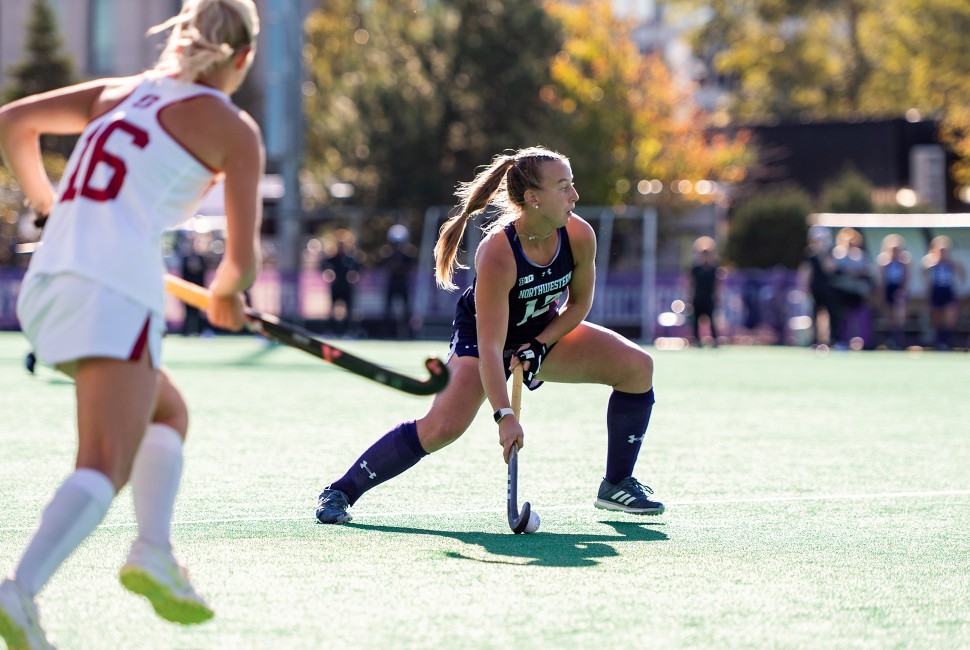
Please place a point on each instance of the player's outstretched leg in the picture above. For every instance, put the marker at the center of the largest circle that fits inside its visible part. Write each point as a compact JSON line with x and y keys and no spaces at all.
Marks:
{"x":628,"y":495}
{"x":155,"y":574}
{"x":19,"y":619}
{"x":394,"y":453}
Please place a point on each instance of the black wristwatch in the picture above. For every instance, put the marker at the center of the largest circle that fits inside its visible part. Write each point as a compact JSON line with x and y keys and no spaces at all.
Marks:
{"x":501,"y":413}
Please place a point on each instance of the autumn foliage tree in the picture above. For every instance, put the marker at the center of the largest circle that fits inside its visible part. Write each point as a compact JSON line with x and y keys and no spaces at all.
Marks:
{"x":407,"y":98}
{"x":624,"y":119}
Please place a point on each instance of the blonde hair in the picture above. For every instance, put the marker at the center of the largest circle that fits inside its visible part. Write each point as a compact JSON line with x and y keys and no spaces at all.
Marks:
{"x":941,"y":241}
{"x":893,"y":241}
{"x":849,"y":237}
{"x":502,"y":185}
{"x":205,"y":34}
{"x":889,"y":242}
{"x":705,"y":244}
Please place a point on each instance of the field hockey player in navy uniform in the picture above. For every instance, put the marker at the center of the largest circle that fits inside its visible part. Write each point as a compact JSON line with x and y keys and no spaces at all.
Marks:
{"x":894,"y":265}
{"x":92,"y":300}
{"x":533,"y":289}
{"x":944,"y":275}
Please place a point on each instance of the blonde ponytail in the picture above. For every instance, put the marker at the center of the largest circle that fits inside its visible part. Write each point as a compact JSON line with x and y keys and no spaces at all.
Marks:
{"x":205,"y":35}
{"x":474,"y":197}
{"x":503,"y":185}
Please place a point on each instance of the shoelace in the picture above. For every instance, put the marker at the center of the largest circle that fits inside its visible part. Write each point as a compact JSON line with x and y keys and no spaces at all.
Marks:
{"x":634,"y":485}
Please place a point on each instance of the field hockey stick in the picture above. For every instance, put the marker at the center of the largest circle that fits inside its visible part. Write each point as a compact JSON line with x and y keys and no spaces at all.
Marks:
{"x":294,"y":336}
{"x":517,"y":520}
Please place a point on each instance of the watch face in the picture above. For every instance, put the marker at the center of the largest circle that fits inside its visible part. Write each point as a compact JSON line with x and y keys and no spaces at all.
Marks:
{"x":501,"y":413}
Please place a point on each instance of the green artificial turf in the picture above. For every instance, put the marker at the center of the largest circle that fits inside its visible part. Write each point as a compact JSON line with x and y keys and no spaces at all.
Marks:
{"x":812,"y":502}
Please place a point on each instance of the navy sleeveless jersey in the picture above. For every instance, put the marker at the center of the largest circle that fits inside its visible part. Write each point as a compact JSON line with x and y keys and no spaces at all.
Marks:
{"x":535,"y":298}
{"x":942,"y":284}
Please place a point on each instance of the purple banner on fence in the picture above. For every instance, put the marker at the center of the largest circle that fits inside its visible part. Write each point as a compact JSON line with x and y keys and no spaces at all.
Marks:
{"x":760,"y":304}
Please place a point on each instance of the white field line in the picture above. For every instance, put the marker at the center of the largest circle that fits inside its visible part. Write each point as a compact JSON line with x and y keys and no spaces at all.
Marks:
{"x":928,"y":494}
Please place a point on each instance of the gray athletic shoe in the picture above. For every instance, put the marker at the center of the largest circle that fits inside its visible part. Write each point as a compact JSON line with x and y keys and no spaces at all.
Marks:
{"x":332,"y":507}
{"x":629,"y":495}
{"x":19,"y":621}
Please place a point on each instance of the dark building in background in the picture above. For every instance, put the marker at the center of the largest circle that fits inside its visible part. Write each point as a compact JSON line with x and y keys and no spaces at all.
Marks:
{"x":892,"y":154}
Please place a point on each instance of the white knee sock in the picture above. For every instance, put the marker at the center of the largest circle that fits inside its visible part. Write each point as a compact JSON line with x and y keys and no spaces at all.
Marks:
{"x":75,"y":510}
{"x":155,"y":478}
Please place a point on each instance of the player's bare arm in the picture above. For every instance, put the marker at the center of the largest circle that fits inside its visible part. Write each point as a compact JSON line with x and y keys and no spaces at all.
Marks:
{"x":65,"y":111}
{"x":234,"y":148}
{"x":496,"y":277}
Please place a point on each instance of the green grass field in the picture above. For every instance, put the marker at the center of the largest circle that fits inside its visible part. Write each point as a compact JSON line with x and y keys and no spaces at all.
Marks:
{"x":812,"y":502}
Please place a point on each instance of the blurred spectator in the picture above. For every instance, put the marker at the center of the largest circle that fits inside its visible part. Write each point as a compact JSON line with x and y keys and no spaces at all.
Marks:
{"x":341,"y":270}
{"x":944,"y":275}
{"x":703,"y":279}
{"x":853,"y":285}
{"x":194,"y":267}
{"x":815,"y":276}
{"x":399,"y":261}
{"x":894,"y":262}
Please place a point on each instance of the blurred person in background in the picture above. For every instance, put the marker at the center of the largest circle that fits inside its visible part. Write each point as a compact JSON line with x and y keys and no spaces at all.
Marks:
{"x":703,"y":280}
{"x":815,"y":279}
{"x":194,"y":269}
{"x":894,"y":262}
{"x":944,"y":277}
{"x":853,"y":284}
{"x":341,"y":271}
{"x":91,"y":303}
{"x":399,"y":261}
{"x":535,"y":273}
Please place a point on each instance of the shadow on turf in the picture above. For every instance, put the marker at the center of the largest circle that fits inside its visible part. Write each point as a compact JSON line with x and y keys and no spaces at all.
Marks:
{"x":541,"y":549}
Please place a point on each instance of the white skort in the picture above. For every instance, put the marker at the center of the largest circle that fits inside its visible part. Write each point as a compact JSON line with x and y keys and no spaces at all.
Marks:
{"x":68,"y":318}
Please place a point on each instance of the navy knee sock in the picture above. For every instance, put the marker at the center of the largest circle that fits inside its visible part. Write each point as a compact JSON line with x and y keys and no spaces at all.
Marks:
{"x":397,"y":451}
{"x":627,"y":417}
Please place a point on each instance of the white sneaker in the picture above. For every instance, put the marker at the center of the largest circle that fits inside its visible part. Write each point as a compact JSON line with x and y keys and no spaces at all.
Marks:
{"x":19,"y":619}
{"x":155,"y":574}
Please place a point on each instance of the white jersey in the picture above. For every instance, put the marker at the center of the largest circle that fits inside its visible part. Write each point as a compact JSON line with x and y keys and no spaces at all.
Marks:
{"x":126,"y":182}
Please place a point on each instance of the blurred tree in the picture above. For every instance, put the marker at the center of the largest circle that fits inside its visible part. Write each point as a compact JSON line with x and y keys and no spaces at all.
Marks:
{"x":623,"y":119}
{"x":769,"y":229}
{"x":406,"y":99}
{"x":404,"y":104}
{"x":849,"y":192}
{"x":844,"y":59}
{"x":44,"y":66}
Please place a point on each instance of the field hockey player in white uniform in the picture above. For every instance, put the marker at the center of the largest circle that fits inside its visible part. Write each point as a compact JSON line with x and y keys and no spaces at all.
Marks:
{"x":91,"y":303}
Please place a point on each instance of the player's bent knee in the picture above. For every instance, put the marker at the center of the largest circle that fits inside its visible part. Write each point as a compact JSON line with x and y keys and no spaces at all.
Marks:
{"x":644,"y":369}
{"x":638,"y":373}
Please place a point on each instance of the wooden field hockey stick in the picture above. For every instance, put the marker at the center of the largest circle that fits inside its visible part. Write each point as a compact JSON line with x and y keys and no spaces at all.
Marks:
{"x":297,"y":337}
{"x":517,"y":520}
